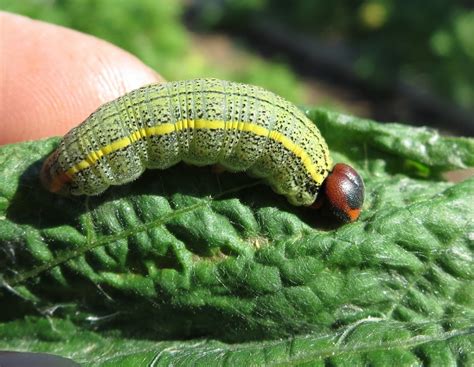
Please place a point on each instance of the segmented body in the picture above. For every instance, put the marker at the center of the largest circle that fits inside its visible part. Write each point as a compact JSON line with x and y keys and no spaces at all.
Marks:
{"x":201,"y":122}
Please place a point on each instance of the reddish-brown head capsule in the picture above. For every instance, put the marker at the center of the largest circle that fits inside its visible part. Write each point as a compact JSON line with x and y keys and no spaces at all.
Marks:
{"x":343,"y":192}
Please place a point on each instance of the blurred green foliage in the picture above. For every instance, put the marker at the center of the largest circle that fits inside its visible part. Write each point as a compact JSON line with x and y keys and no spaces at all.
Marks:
{"x":154,"y":32}
{"x":426,"y":42}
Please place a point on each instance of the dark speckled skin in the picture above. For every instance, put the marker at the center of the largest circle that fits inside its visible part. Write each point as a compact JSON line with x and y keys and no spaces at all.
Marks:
{"x":210,"y":121}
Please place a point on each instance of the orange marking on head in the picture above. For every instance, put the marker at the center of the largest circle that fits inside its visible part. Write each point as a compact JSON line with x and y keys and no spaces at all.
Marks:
{"x":353,"y":214}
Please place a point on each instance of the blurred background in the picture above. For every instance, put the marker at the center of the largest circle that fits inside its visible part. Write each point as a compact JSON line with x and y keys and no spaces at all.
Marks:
{"x":389,"y":60}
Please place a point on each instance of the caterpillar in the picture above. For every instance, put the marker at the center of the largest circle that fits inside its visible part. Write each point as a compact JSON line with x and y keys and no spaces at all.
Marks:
{"x":201,"y":122}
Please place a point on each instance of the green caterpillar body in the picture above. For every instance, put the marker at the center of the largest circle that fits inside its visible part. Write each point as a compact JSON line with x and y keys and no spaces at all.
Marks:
{"x":201,"y":122}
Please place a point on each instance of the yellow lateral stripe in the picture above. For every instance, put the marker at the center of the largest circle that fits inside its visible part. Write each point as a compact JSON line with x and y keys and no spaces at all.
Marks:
{"x":168,"y":128}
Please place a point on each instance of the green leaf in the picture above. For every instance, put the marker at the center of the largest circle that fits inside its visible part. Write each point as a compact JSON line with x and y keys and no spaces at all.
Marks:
{"x":369,"y":342}
{"x":184,"y":266}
